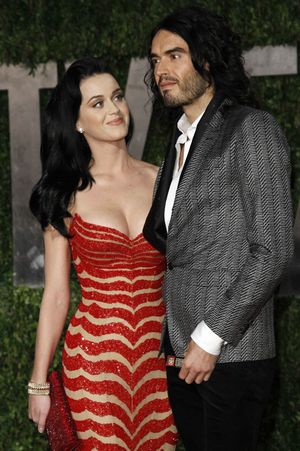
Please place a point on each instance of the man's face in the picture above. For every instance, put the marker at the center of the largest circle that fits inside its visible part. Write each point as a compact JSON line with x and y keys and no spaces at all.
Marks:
{"x":178,"y":81}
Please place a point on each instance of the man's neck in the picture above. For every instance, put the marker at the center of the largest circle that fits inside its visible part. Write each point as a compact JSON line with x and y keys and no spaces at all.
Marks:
{"x":199,"y":105}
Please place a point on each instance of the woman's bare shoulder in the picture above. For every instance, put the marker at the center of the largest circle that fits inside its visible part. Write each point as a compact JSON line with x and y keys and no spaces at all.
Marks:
{"x":148,"y":169}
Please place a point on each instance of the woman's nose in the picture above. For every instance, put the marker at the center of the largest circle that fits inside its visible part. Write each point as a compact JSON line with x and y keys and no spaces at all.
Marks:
{"x":113,"y":107}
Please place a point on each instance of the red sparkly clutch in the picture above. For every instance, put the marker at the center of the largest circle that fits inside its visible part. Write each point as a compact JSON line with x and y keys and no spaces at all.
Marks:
{"x":60,"y":426}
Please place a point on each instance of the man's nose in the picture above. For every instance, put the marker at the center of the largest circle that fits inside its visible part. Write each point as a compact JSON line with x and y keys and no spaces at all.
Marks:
{"x":161,"y":68}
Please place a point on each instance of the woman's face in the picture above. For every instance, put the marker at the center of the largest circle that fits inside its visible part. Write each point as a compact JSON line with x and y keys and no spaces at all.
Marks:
{"x":103,"y":113}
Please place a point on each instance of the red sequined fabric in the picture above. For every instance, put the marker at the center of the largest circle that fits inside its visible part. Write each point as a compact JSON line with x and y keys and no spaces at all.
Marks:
{"x":60,"y":425}
{"x":113,"y":377}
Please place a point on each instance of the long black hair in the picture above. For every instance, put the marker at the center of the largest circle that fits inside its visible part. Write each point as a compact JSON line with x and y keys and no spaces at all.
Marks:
{"x":65,"y":154}
{"x":210,"y":40}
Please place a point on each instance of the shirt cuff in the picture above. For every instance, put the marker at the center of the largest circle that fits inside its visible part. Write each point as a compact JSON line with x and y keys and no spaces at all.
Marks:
{"x":204,"y":337}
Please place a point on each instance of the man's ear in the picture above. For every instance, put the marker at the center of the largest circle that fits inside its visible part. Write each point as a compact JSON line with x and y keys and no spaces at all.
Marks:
{"x":206,"y":66}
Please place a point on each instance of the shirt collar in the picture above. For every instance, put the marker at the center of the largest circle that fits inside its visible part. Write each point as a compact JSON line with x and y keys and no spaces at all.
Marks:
{"x":184,"y":126}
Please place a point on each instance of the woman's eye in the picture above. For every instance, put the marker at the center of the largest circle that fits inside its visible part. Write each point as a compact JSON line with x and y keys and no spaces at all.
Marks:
{"x":119,"y":97}
{"x":174,"y":56}
{"x":98,"y":104}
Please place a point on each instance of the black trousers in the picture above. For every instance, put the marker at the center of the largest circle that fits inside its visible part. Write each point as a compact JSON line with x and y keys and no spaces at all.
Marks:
{"x":224,"y":413}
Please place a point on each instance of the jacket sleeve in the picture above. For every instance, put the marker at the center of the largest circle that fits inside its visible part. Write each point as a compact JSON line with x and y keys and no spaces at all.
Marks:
{"x":263,"y":172}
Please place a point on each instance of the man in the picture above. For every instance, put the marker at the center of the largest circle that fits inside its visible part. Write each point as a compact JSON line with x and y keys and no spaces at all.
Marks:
{"x":222,"y":214}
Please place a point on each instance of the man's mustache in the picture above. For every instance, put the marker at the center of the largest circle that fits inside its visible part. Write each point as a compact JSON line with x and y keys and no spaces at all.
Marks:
{"x":164,"y":78}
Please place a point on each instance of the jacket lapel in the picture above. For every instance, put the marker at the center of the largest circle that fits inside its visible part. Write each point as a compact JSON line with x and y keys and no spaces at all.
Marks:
{"x":203,"y":142}
{"x":154,"y":229}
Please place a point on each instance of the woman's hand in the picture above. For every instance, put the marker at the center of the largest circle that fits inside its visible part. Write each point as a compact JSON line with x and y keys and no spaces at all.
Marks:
{"x":38,"y":409}
{"x":53,"y":312}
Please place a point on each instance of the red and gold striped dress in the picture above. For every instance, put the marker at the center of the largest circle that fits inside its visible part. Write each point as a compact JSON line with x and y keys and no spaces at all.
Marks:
{"x":113,"y":377}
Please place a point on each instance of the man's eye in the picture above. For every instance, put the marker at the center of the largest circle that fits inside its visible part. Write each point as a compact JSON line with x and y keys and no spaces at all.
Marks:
{"x":174,"y":56}
{"x":154,"y":61}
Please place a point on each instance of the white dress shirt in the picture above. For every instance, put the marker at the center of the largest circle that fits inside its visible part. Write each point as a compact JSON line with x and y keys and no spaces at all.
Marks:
{"x":203,"y":336}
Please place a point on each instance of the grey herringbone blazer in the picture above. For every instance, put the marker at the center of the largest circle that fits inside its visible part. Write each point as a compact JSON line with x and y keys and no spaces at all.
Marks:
{"x":230,"y":235}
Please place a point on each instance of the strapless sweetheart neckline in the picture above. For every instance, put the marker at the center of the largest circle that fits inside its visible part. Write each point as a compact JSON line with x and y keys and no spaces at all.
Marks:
{"x":102,"y":227}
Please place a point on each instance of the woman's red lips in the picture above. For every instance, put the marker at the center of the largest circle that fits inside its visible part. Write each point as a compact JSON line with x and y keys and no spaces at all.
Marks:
{"x":117,"y":121}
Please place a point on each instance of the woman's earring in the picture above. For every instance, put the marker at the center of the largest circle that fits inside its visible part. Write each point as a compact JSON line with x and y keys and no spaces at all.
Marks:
{"x":80,"y":130}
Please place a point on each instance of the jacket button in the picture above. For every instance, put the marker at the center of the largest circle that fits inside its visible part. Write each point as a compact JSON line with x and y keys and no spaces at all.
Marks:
{"x":170,"y":266}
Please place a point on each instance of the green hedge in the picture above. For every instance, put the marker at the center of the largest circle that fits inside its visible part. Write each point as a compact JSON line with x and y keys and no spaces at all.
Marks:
{"x":34,"y":32}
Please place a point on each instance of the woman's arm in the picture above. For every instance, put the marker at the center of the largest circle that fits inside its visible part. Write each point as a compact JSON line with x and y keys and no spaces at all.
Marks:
{"x":53,"y":312}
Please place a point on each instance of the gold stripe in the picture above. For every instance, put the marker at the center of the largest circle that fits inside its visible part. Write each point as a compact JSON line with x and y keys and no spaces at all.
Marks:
{"x":102,"y":321}
{"x":117,"y":319}
{"x":143,"y":321}
{"x":101,"y":377}
{"x":86,"y":275}
{"x":144,"y":357}
{"x":152,"y":396}
{"x":105,"y":398}
{"x":106,"y":356}
{"x":112,"y":440}
{"x":111,"y":419}
{"x":157,"y":435}
{"x":98,"y":232}
{"x":122,"y":292}
{"x":114,"y":319}
{"x":111,"y":336}
{"x":122,"y":269}
{"x":158,"y":416}
{"x":92,"y":253}
{"x":100,"y":419}
{"x":106,"y":305}
{"x":101,"y":357}
{"x":152,"y":375}
{"x":84,"y":435}
{"x":99,"y":338}
{"x":148,"y":336}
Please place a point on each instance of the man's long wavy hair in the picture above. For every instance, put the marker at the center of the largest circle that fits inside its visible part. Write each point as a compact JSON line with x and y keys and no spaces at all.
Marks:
{"x":210,"y":40}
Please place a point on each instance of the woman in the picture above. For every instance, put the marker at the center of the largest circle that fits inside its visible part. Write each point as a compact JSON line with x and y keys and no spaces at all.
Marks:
{"x":92,"y":201}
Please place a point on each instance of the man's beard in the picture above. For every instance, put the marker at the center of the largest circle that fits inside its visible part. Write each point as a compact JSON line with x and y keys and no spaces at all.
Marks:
{"x":190,"y":88}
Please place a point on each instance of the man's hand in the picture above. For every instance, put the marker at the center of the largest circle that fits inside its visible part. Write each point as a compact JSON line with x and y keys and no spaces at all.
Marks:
{"x":198,"y":364}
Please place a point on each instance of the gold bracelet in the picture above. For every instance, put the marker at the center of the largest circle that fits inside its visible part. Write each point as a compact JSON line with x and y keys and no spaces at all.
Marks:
{"x":38,"y":386}
{"x":38,"y":389}
{"x":39,"y":392}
